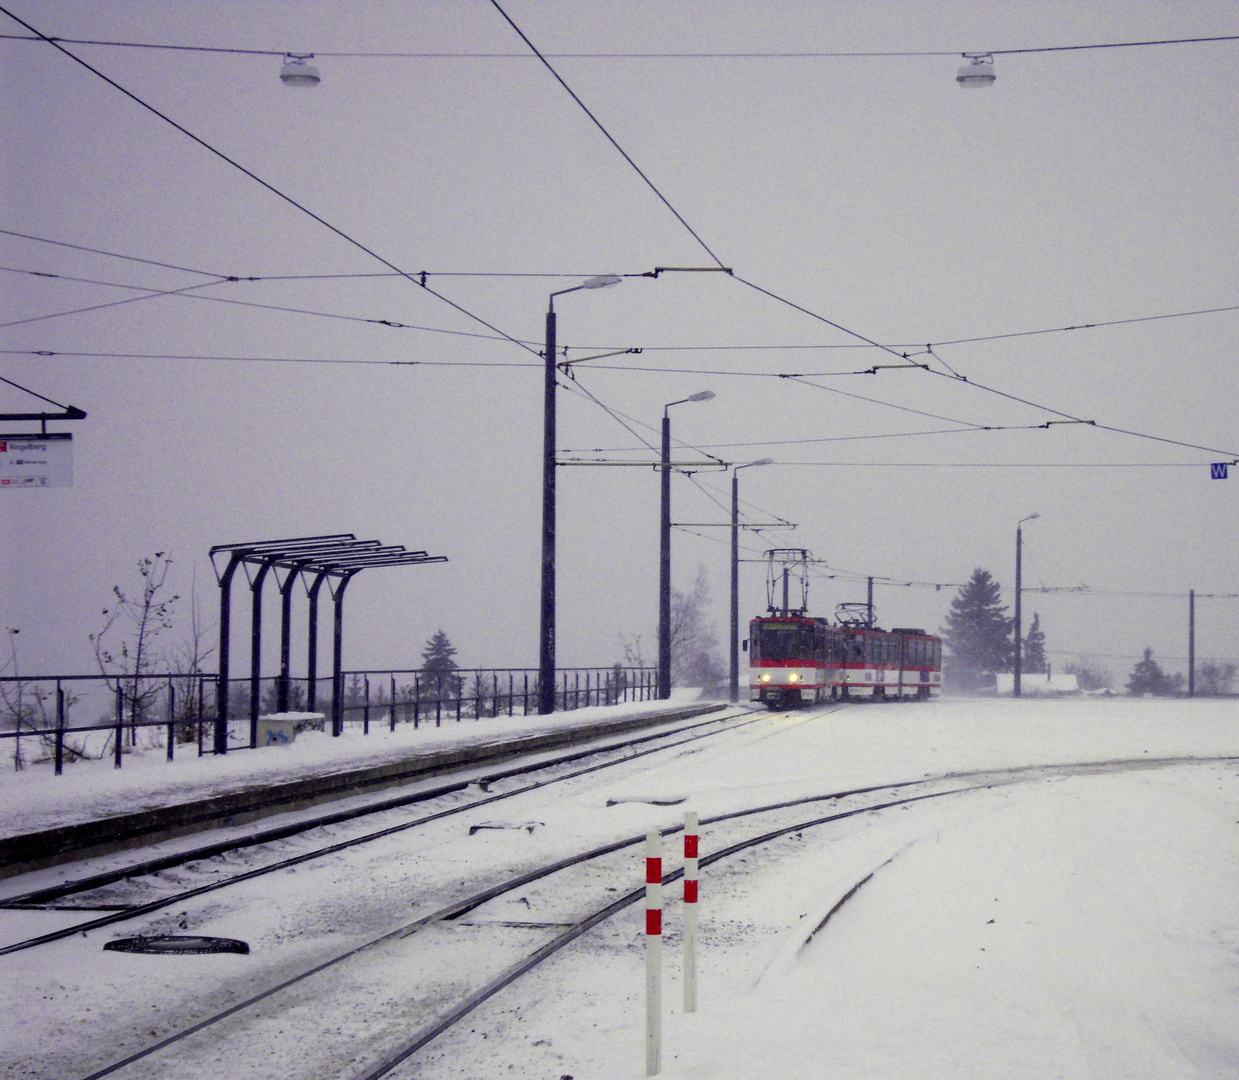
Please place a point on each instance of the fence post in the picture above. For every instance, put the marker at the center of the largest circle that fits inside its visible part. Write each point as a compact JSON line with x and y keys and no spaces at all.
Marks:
{"x":171,"y":718}
{"x":393,"y":701}
{"x":120,"y":724}
{"x":365,"y":716}
{"x":690,"y":911}
{"x":60,"y":729}
{"x":201,"y":694}
{"x":653,"y":950}
{"x":417,"y":701}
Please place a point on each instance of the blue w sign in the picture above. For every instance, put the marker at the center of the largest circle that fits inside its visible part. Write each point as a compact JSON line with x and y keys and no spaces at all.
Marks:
{"x":1220,"y":470}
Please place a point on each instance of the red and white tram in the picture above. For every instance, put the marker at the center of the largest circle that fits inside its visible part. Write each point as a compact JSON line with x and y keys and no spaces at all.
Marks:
{"x":798,"y":660}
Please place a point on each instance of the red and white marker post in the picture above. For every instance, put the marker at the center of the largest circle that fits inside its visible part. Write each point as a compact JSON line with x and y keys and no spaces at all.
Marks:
{"x":690,"y":911}
{"x":653,"y":951}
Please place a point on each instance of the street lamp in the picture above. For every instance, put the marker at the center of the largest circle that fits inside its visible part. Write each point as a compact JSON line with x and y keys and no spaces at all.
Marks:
{"x":1019,"y":544}
{"x":546,"y":632}
{"x":734,"y":680}
{"x":664,"y":552}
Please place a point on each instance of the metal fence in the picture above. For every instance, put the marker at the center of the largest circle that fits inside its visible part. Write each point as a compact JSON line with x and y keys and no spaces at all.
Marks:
{"x":73,"y":717}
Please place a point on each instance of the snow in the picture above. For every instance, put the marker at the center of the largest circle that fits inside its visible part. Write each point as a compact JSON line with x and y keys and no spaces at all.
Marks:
{"x":1073,"y":927}
{"x":1077,"y":923}
{"x":35,"y":798}
{"x":1085,"y":930}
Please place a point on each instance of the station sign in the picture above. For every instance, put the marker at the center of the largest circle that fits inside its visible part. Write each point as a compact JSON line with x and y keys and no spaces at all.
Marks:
{"x":36,"y":461}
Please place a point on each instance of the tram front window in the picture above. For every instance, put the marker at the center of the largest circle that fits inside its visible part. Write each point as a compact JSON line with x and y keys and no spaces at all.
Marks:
{"x":780,"y":643}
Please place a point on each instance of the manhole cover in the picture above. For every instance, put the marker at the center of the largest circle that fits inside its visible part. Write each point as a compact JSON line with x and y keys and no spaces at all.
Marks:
{"x":169,"y":943}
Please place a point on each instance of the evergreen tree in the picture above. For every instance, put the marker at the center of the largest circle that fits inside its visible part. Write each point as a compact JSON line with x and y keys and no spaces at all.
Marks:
{"x":1034,"y":649}
{"x":977,"y":634}
{"x":1147,"y":677}
{"x":439,"y":680}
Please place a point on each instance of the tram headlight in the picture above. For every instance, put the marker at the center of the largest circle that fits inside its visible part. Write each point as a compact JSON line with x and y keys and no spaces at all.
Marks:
{"x":794,"y":677}
{"x":764,"y":677}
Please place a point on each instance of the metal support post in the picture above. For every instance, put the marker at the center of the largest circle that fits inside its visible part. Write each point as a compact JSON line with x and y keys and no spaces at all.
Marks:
{"x":1191,"y":643}
{"x":664,"y":566}
{"x":546,"y":636}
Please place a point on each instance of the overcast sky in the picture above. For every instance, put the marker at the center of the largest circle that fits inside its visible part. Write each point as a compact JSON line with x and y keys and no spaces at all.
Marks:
{"x":856,"y":199}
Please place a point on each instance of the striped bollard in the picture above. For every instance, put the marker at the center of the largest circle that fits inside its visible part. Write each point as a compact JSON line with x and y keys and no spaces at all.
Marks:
{"x":690,"y":911}
{"x":653,"y":950}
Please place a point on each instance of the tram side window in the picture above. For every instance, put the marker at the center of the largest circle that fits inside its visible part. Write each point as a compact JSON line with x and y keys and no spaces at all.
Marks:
{"x":819,"y":643}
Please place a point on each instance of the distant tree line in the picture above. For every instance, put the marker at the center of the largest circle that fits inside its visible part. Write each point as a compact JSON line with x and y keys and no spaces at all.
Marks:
{"x":980,"y":642}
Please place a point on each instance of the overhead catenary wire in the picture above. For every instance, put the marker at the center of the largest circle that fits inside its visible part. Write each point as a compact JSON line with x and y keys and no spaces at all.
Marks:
{"x":556,"y":275}
{"x":188,"y":293}
{"x":150,"y":294}
{"x":489,"y":326}
{"x":609,"y":137}
{"x":114,"y":255}
{"x":862,"y":343}
{"x":785,"y":54}
{"x":263,"y":183}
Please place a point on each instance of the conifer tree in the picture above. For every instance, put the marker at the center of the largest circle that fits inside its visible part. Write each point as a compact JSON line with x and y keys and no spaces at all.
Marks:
{"x":977,"y":634}
{"x":1147,"y":677}
{"x":1034,"y":649}
{"x":440,"y":681}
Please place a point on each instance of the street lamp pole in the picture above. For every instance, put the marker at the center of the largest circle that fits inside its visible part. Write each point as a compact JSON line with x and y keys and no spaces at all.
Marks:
{"x":1019,"y":585}
{"x":664,"y":552}
{"x":546,"y":632}
{"x":734,"y":668}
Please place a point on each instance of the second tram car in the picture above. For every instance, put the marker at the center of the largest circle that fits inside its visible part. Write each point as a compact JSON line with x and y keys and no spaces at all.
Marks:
{"x":798,"y":660}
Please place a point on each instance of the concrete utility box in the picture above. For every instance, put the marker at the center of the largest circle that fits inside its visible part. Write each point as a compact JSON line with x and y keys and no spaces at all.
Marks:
{"x":280,"y":729}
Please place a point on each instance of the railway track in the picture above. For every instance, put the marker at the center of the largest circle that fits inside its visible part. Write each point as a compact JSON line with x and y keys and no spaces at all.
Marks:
{"x":142,"y":888}
{"x":568,"y":899}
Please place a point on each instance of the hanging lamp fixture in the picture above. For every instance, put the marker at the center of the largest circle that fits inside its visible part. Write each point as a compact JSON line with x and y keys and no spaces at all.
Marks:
{"x":296,"y":72}
{"x":979,"y":72}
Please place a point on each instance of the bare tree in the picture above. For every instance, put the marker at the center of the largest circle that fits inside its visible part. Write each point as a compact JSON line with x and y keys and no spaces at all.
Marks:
{"x":189,"y":657}
{"x":13,"y":698}
{"x":1090,"y":676}
{"x":134,"y":623}
{"x":694,"y":647}
{"x":1216,"y":678}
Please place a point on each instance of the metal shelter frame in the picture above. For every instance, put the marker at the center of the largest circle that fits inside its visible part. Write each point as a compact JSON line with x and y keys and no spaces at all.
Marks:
{"x":336,"y":557}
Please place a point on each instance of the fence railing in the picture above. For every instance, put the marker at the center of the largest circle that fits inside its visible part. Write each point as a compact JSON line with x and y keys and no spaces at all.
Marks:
{"x":73,"y":717}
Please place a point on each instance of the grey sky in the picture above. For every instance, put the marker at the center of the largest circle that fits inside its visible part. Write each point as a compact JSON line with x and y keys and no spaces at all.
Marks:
{"x":1084,"y":187}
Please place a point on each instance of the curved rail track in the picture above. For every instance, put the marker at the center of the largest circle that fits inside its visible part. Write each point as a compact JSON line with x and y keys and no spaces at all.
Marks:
{"x":445,"y":1009}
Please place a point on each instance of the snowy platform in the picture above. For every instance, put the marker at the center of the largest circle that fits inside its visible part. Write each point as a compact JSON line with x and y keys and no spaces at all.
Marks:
{"x":93,"y":807}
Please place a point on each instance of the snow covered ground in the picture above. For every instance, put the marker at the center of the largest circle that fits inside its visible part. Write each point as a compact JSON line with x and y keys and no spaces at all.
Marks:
{"x":1078,"y":927}
{"x":35,"y":798}
{"x":1075,"y":924}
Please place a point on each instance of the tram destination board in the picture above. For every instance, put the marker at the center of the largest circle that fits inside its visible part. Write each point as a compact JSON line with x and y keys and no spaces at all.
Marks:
{"x":36,"y":461}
